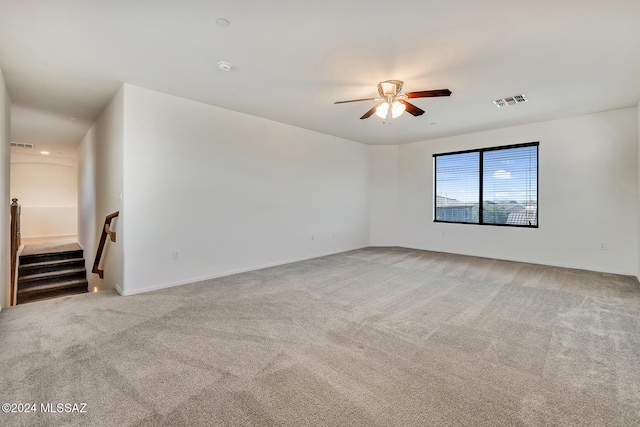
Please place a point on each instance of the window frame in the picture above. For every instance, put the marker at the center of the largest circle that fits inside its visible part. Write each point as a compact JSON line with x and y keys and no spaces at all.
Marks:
{"x":481,"y":152}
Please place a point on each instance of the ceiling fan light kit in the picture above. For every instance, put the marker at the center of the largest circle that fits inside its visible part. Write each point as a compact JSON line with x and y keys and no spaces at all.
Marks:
{"x":397,"y":108}
{"x":394,"y":102}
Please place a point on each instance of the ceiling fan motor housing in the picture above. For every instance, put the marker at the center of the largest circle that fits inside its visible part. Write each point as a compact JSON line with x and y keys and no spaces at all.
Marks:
{"x":389,"y":88}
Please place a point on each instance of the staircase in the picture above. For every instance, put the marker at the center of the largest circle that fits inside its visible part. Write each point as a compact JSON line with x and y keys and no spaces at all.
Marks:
{"x":51,"y":275}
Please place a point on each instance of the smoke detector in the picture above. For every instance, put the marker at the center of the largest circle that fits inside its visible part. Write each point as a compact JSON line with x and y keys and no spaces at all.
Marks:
{"x":511,"y":100}
{"x":224,"y":66}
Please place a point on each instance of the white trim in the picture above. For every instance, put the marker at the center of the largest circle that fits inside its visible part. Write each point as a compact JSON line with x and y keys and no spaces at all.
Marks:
{"x":123,"y":292}
{"x":15,"y":283}
{"x":49,"y":235}
{"x":525,"y":261}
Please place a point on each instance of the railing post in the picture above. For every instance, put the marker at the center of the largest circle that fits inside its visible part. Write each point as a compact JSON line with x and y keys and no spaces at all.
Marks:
{"x":15,"y":245}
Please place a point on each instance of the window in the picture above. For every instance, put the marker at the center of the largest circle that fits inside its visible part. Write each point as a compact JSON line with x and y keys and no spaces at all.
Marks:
{"x":504,"y":178}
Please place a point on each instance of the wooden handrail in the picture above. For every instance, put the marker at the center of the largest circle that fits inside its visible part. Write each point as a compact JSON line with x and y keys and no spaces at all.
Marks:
{"x":106,"y":231}
{"x":15,"y":245}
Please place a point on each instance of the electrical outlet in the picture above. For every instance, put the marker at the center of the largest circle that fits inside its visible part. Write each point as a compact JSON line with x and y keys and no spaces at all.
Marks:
{"x":603,"y":246}
{"x":176,"y":255}
{"x":313,"y":238}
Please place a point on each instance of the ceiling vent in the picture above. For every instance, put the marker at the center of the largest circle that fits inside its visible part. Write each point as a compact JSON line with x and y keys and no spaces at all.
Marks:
{"x":500,"y":103}
{"x":21,"y":145}
{"x":512,"y":100}
{"x":520,"y":98}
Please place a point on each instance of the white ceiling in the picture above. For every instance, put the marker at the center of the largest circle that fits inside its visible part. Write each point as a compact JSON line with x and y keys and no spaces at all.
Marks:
{"x":293,"y":58}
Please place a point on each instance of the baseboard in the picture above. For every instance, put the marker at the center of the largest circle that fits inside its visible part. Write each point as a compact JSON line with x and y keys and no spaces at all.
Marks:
{"x":230,"y":273}
{"x":49,"y":235}
{"x":124,"y":292}
{"x":528,"y":261}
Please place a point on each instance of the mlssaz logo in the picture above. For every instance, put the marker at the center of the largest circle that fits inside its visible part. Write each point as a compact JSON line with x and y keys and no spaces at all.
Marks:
{"x":80,"y":408}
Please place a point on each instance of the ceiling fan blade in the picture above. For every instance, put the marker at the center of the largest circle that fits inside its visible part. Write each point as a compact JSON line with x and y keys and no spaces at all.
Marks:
{"x":412,"y":109}
{"x":356,"y":100}
{"x":429,"y":93}
{"x":369,"y":113}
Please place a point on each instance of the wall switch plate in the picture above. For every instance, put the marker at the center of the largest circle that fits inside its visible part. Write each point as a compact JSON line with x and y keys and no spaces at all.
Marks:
{"x":176,"y":255}
{"x":120,"y":196}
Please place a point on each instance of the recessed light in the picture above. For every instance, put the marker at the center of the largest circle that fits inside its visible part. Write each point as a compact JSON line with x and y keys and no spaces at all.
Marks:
{"x":72,"y":118}
{"x":223,"y":22}
{"x":46,"y":153}
{"x":224,"y":66}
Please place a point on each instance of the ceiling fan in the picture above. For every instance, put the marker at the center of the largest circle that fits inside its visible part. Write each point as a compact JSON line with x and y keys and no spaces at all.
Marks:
{"x":394,"y":102}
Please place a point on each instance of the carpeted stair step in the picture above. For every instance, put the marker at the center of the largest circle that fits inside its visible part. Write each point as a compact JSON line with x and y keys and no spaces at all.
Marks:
{"x":50,"y":275}
{"x":56,"y":256}
{"x":30,"y":280}
{"x":52,"y":290}
{"x":48,"y":266}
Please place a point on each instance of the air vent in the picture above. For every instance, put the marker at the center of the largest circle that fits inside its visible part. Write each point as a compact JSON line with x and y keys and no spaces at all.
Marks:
{"x":21,"y":145}
{"x":520,"y":98}
{"x":500,"y":103}
{"x":511,"y":100}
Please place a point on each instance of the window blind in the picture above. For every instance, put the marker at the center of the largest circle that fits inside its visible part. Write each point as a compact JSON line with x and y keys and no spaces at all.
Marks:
{"x":504,"y":178}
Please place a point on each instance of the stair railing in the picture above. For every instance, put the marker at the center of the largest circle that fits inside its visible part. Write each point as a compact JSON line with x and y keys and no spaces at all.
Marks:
{"x":16,"y":241}
{"x":106,"y":231}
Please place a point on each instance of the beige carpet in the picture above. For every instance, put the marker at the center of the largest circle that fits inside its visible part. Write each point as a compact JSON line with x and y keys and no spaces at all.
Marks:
{"x":374,"y":337}
{"x":45,"y":245}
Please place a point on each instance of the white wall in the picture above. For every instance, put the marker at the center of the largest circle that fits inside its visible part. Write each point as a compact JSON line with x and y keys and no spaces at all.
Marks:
{"x":100,"y":176}
{"x":588,"y":194}
{"x":46,"y":188}
{"x":383,"y":196}
{"x":5,"y":214}
{"x":232,"y":192}
{"x":87,"y":224}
